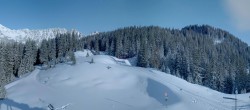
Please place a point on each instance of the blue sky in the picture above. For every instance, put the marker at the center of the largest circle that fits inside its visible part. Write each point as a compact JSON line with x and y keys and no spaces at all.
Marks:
{"x":104,"y":15}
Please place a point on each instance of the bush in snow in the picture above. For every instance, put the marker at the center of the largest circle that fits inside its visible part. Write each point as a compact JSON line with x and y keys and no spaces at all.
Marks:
{"x":92,"y":61}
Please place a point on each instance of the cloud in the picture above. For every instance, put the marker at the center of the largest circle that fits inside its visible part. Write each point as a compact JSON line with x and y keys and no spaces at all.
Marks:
{"x":240,"y":12}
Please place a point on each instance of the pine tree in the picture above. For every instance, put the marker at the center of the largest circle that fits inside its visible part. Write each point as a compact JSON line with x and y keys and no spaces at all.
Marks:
{"x":18,"y":53}
{"x":60,"y":47}
{"x":3,"y":79}
{"x":96,"y":46}
{"x":29,"y":58}
{"x":118,"y":47}
{"x":111,"y":50}
{"x":2,"y":83}
{"x":72,"y":57}
{"x":52,"y":52}
{"x":74,"y":39}
{"x":9,"y":56}
{"x":44,"y":52}
{"x":142,"y":59}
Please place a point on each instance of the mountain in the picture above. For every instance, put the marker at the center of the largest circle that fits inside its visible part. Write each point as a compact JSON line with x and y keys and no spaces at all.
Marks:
{"x":109,"y":84}
{"x":22,"y":35}
{"x":200,"y":54}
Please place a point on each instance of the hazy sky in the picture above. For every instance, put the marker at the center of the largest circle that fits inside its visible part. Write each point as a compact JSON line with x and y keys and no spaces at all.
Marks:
{"x":104,"y":15}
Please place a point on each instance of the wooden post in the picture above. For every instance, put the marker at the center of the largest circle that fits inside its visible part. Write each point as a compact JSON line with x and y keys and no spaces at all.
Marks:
{"x":51,"y":107}
{"x":236,"y":92}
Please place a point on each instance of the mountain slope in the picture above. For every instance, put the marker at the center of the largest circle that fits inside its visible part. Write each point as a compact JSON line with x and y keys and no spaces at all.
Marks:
{"x":22,"y":35}
{"x":200,"y":54}
{"x":121,"y":87}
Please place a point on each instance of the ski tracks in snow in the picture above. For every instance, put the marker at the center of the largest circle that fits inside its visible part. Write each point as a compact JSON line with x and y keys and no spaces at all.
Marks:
{"x":33,"y":78}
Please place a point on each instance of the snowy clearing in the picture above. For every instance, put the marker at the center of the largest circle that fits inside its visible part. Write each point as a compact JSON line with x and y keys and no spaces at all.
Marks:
{"x":111,"y":84}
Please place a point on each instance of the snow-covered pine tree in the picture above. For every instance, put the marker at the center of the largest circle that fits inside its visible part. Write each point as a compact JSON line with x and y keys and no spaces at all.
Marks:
{"x":72,"y":57}
{"x":9,"y":57}
{"x":142,"y":59}
{"x":18,"y":53}
{"x":52,"y":52}
{"x":2,"y":83}
{"x":29,"y":58}
{"x":44,"y":52}
{"x":2,"y":71}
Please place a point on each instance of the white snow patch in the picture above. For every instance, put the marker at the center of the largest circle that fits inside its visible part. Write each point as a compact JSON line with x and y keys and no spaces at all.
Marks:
{"x":104,"y":59}
{"x":83,"y":53}
{"x":218,"y":41}
{"x":122,"y":61}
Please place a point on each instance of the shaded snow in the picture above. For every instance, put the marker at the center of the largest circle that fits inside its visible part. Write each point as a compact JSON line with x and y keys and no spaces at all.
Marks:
{"x":132,"y":61}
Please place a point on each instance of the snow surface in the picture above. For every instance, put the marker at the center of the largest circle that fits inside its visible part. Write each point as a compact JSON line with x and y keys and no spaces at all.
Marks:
{"x":108,"y":84}
{"x":24,"y":34}
{"x":218,"y":41}
{"x":83,"y":53}
{"x":94,"y":33}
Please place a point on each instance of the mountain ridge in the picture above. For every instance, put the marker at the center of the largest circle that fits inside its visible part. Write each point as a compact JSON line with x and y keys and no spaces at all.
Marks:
{"x":21,"y":35}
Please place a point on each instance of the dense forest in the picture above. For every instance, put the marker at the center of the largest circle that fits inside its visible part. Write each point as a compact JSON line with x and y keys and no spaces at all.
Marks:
{"x":199,"y":54}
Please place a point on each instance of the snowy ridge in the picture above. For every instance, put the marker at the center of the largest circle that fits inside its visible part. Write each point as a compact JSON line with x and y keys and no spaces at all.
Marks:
{"x":24,"y":34}
{"x":112,"y":84}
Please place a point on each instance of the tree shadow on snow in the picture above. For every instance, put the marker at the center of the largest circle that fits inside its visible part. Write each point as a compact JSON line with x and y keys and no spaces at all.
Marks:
{"x":157,"y":90}
{"x":9,"y":104}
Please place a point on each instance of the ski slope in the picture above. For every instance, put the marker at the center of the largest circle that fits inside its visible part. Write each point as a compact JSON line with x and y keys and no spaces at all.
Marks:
{"x":111,"y":84}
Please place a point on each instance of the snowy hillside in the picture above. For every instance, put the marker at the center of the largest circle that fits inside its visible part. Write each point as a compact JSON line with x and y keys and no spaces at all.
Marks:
{"x":111,"y":84}
{"x":23,"y":34}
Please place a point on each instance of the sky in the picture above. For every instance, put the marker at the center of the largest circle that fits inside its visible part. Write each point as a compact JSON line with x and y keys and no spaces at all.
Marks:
{"x":88,"y":16}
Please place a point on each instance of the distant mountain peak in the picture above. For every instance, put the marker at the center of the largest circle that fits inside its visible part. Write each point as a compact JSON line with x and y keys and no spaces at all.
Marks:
{"x":21,"y":35}
{"x":3,"y":27}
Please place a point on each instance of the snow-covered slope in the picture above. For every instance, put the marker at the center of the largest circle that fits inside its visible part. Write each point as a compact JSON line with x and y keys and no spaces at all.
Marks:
{"x":23,"y":34}
{"x":109,"y":84}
